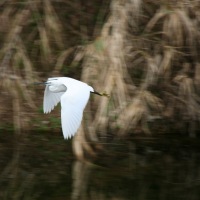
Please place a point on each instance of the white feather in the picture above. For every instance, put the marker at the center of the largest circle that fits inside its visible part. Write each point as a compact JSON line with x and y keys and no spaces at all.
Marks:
{"x":50,"y":100}
{"x":73,"y":95}
{"x":73,"y":103}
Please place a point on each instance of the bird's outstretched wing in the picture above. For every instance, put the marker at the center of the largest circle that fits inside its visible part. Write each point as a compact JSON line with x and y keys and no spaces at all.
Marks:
{"x":73,"y":104}
{"x":71,"y":120}
{"x":50,"y":100}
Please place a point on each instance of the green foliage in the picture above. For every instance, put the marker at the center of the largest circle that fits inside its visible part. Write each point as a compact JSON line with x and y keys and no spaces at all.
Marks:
{"x":99,"y":45}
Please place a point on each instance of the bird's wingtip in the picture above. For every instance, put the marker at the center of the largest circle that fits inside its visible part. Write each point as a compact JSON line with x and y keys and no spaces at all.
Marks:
{"x":46,"y":111}
{"x":67,"y":137}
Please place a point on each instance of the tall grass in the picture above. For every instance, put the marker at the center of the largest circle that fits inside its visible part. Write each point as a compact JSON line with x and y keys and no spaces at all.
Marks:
{"x":148,"y":62}
{"x":144,"y":53}
{"x":38,"y":39}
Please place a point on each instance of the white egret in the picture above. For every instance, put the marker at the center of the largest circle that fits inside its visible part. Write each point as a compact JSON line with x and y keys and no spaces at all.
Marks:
{"x":73,"y":95}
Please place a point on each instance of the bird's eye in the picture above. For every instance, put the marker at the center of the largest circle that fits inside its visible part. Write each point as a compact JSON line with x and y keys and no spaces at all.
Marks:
{"x":48,"y":83}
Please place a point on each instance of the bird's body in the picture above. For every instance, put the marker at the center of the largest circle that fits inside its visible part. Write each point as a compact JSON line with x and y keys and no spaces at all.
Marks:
{"x":73,"y":95}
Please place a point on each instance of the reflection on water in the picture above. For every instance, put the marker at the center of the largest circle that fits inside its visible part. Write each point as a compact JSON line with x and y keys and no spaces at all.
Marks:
{"x":150,"y":169}
{"x":42,"y":166}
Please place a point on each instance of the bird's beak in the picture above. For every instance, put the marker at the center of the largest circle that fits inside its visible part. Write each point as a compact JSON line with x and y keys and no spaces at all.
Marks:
{"x":40,"y":83}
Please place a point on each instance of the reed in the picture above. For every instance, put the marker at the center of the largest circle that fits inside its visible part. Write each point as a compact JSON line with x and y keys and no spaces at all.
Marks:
{"x":148,"y":63}
{"x":143,"y":53}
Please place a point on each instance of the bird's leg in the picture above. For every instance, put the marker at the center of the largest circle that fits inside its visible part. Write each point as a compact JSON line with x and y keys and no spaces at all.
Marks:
{"x":101,"y":94}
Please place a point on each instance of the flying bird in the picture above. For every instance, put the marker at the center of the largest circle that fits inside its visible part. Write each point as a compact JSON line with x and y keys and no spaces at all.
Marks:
{"x":73,"y":96}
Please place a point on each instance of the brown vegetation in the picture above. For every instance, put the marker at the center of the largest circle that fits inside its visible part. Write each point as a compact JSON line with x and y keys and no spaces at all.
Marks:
{"x":145,"y":55}
{"x":149,"y":64}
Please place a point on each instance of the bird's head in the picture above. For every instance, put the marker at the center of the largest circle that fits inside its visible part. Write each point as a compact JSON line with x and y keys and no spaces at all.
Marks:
{"x":54,"y":85}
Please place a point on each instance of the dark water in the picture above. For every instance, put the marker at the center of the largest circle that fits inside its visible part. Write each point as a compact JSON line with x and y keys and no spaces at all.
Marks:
{"x":42,"y":166}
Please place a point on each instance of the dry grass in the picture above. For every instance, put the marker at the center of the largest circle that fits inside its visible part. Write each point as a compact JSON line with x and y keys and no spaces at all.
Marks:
{"x":13,"y":58}
{"x":144,"y":63}
{"x":32,"y":43}
{"x":145,"y":57}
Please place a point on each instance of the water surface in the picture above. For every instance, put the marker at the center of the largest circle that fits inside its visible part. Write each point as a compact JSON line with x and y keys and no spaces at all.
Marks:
{"x":42,"y":166}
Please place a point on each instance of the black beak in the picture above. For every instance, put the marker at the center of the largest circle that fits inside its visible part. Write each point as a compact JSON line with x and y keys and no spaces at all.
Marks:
{"x":40,"y":83}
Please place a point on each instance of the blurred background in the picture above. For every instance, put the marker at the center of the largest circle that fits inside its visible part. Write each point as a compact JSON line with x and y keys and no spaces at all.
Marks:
{"x":142,"y":142}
